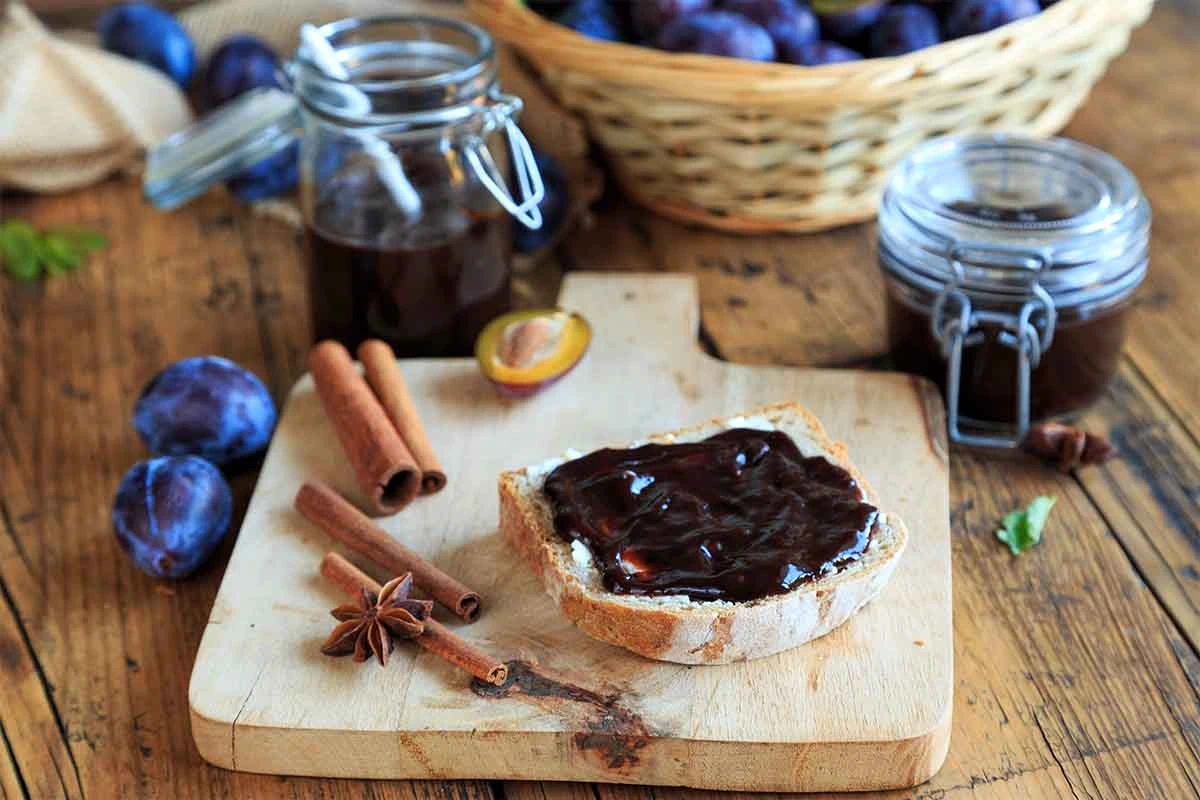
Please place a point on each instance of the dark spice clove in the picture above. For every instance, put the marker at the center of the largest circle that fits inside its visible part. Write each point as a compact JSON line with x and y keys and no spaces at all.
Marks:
{"x":1066,"y":446}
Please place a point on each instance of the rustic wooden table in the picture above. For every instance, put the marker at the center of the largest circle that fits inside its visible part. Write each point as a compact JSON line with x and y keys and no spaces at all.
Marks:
{"x":1077,"y":664}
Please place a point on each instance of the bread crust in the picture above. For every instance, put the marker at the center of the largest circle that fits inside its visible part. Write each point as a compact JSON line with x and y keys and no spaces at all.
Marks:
{"x":705,"y":632}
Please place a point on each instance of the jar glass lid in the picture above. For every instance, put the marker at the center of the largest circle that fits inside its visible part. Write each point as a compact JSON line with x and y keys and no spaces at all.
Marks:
{"x":988,"y":212}
{"x":255,"y":126}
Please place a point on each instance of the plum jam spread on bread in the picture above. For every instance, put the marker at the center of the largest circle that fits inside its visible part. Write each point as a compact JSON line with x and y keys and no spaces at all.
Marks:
{"x":738,"y":516}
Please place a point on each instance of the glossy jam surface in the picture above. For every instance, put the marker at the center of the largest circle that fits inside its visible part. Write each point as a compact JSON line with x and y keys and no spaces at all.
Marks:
{"x":1072,"y":374}
{"x":738,"y":516}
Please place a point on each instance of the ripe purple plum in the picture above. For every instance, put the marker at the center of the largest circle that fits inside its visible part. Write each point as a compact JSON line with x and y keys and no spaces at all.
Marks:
{"x":789,"y":22}
{"x":815,"y":54}
{"x":718,"y":33}
{"x":148,"y":34}
{"x":241,"y":63}
{"x":968,"y":17}
{"x":170,"y":513}
{"x":651,"y":16}
{"x":205,"y":406}
{"x":593,"y":18}
{"x":904,"y":29}
{"x":274,"y":175}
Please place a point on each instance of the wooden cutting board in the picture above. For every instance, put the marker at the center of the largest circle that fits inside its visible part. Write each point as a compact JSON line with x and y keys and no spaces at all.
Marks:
{"x":866,"y":707}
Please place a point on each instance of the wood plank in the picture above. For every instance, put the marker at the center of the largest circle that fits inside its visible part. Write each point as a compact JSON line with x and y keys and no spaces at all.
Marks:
{"x":811,"y":301}
{"x":865,"y":707}
{"x":1067,"y":640}
{"x":34,"y":756}
{"x":1148,"y":495}
{"x":11,"y":785}
{"x":534,"y":790}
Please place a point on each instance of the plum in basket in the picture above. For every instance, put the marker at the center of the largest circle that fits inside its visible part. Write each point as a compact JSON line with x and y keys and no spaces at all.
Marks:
{"x":904,"y":29}
{"x":170,"y":514}
{"x":651,"y":16}
{"x":814,"y":54}
{"x":968,"y":17}
{"x":787,"y":21}
{"x":718,"y":33}
{"x":597,"y":19}
{"x":205,"y":406}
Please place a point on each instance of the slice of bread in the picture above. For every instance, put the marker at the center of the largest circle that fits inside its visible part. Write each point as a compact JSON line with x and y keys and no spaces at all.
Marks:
{"x":677,"y":628}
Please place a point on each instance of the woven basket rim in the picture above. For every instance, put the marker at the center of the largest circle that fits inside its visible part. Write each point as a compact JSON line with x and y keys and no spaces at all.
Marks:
{"x":1067,"y":25}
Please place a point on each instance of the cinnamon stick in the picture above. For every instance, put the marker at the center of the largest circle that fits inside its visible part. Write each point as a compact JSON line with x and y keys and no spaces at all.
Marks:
{"x":437,"y":638}
{"x":384,"y":466}
{"x":347,"y":577}
{"x":383,"y":374}
{"x":337,"y":517}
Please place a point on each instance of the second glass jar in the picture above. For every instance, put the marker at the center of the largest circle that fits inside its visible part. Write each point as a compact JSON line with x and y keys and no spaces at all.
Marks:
{"x":1010,"y":266}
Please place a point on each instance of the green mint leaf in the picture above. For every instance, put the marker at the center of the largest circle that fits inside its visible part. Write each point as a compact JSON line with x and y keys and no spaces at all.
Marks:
{"x":1022,"y":530}
{"x":19,"y":250}
{"x":59,"y":253}
{"x":25,"y":252}
{"x":83,"y":241}
{"x":17,"y":227}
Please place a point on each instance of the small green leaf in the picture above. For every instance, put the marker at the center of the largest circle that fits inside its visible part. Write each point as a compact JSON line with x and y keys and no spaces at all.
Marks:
{"x":23,"y":267}
{"x":59,"y":251}
{"x":82,"y":240}
{"x":17,"y":227}
{"x":1023,"y":529}
{"x":25,"y":252}
{"x":19,"y":249}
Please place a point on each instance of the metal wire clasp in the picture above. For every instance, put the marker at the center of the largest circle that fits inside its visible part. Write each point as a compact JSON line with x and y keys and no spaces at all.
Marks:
{"x":503,"y":111}
{"x":956,"y":325}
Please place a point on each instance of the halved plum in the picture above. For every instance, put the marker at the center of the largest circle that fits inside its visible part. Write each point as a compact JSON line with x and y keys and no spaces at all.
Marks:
{"x":523,"y":352}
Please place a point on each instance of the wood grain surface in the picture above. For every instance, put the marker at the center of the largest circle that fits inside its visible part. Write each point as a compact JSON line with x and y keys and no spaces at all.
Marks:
{"x":1076,"y":665}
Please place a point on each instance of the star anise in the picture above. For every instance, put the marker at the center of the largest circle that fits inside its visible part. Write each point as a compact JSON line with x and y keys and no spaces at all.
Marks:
{"x":1068,"y":447}
{"x":370,"y":625}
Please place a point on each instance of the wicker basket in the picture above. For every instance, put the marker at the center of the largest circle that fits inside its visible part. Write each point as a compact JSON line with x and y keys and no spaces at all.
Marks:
{"x":750,"y":147}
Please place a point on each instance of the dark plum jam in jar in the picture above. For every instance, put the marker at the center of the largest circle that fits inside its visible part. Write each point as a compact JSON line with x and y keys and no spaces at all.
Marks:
{"x":1010,"y":265}
{"x":427,"y":287}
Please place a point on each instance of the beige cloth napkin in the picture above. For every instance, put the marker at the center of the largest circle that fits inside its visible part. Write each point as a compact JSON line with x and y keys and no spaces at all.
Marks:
{"x":70,"y":113}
